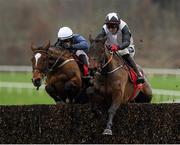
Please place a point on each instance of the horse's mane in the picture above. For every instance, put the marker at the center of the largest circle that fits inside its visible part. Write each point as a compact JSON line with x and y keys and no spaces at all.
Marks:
{"x":101,"y":38}
{"x":55,"y":51}
{"x":94,"y":51}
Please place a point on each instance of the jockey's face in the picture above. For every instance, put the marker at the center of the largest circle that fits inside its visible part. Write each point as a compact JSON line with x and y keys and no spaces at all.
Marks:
{"x":113,"y":28}
{"x":67,"y":42}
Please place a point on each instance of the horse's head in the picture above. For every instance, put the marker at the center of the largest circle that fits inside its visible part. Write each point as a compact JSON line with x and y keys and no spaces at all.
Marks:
{"x":39,"y":63}
{"x":98,"y":52}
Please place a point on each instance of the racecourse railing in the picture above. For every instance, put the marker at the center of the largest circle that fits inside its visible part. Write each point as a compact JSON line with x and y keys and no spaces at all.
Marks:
{"x":148,"y":71}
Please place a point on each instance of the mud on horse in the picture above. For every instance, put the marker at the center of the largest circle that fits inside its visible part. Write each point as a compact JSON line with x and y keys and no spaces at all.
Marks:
{"x":111,"y":85}
{"x":63,"y":76}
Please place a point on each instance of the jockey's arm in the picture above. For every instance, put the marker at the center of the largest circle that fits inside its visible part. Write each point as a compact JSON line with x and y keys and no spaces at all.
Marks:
{"x":126,"y":35}
{"x":80,"y":43}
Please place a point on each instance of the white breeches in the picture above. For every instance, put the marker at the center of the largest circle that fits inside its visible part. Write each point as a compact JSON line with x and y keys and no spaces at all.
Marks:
{"x":79,"y":52}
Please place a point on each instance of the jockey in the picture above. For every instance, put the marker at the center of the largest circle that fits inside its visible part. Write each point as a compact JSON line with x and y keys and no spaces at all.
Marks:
{"x":76,"y":44}
{"x":116,"y":30}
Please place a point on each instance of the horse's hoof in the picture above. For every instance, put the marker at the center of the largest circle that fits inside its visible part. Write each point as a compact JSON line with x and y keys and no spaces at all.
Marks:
{"x":107,"y":132}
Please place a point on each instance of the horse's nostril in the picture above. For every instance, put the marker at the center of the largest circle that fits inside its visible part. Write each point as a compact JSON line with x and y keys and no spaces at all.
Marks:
{"x":36,"y":82}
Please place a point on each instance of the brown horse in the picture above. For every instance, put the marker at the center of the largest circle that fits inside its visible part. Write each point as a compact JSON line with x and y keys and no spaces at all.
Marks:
{"x":63,"y":76}
{"x":112,"y":86}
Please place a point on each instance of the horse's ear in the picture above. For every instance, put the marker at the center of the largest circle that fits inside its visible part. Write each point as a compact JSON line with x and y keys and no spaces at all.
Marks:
{"x":33,"y":47}
{"x":90,"y":38}
{"x":104,"y":39}
{"x":46,"y":47}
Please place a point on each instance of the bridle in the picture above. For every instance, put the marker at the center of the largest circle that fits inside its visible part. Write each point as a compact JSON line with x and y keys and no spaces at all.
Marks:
{"x":43,"y":70}
{"x":46,"y":70}
{"x":61,"y":64}
{"x":101,"y":70}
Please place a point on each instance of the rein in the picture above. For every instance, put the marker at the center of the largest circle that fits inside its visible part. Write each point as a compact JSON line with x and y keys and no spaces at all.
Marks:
{"x":62,"y":64}
{"x":65,"y":62}
{"x":112,"y":71}
{"x":109,"y":60}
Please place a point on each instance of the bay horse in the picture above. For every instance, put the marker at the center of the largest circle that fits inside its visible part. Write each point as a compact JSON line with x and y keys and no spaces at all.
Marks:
{"x":112,"y":85}
{"x":61,"y":72}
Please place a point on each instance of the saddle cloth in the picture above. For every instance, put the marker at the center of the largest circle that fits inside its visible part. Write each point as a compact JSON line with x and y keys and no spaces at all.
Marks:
{"x":137,"y":87}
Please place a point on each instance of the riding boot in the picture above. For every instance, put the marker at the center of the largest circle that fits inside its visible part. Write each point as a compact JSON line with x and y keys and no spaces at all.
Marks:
{"x":84,"y":60}
{"x":131,"y":62}
{"x":85,"y":76}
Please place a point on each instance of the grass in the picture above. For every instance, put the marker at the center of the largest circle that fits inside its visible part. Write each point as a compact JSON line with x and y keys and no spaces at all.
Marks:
{"x":24,"y":97}
{"x":163,"y":99}
{"x":15,"y":77}
{"x":12,"y":96}
{"x":165,"y":82}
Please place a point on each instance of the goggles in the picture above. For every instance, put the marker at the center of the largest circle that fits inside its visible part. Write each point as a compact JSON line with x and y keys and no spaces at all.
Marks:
{"x":66,"y":40}
{"x":112,"y":26}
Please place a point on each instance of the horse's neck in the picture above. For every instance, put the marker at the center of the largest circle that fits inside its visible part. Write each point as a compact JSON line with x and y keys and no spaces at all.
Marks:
{"x":55,"y":52}
{"x":112,"y":62}
{"x":58,"y":57}
{"x":118,"y":59}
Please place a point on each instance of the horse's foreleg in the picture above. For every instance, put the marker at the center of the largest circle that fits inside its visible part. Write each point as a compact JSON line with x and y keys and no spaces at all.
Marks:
{"x":72,"y":89}
{"x":50,"y":89}
{"x":117,"y":100}
{"x":95,"y":101}
{"x":111,"y":113}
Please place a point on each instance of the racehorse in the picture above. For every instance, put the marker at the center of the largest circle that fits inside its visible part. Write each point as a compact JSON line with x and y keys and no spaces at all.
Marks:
{"x":63,"y":76}
{"x":112,"y":84}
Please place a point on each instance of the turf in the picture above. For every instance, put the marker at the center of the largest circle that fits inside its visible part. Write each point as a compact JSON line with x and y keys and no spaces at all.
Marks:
{"x":165,"y":82}
{"x":24,"y":97}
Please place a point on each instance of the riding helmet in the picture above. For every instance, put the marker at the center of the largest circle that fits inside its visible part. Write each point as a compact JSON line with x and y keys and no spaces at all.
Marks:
{"x":112,"y":18}
{"x":65,"y":33}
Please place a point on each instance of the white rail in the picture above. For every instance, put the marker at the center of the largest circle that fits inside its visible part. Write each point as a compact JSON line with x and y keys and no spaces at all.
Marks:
{"x":9,"y":68}
{"x":148,"y":71}
{"x":22,"y":85}
{"x":162,"y":71}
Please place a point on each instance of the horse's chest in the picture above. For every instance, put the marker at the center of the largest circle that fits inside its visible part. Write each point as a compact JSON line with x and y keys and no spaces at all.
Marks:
{"x":106,"y":87}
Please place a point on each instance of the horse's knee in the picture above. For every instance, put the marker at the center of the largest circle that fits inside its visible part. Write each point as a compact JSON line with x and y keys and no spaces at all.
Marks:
{"x":52,"y":92}
{"x":69,"y":86}
{"x":49,"y":89}
{"x":71,"y":89}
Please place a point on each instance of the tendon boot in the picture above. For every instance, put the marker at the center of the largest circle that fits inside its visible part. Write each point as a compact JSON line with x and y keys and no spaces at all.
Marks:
{"x":130,"y":61}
